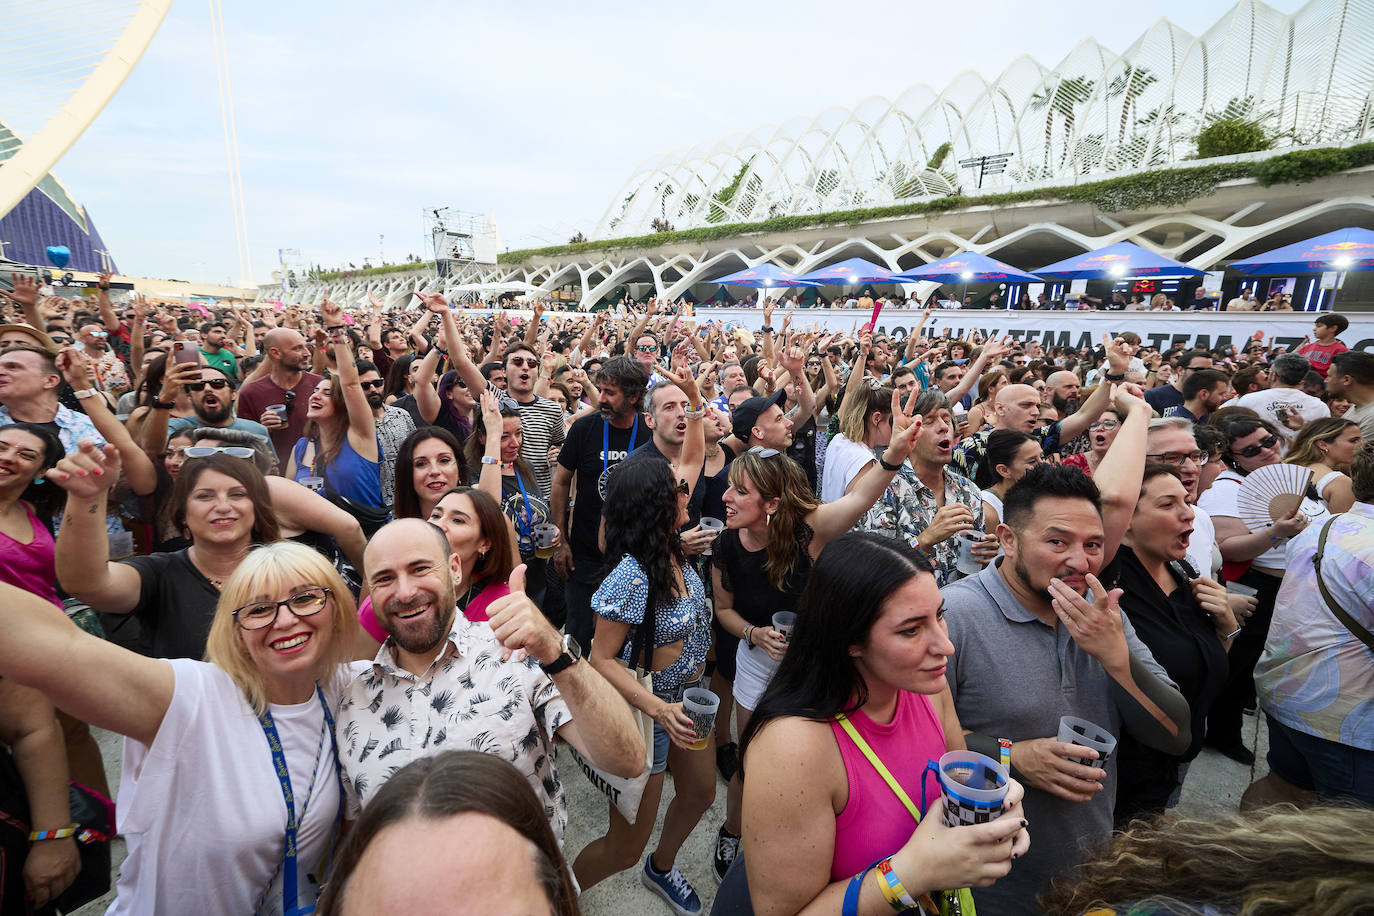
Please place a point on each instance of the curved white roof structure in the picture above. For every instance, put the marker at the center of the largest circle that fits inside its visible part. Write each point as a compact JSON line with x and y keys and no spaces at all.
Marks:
{"x":1308,"y":77}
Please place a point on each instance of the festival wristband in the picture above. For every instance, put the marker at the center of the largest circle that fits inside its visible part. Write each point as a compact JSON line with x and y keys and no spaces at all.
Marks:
{"x":851,"y":894}
{"x":61,"y":833}
{"x":898,"y":896}
{"x":1004,"y":752}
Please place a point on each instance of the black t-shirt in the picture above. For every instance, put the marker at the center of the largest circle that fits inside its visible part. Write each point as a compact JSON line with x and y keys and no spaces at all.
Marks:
{"x":175,"y":604}
{"x":745,"y":574}
{"x":1182,"y":638}
{"x":650,"y":450}
{"x":803,"y":450}
{"x":584,"y":455}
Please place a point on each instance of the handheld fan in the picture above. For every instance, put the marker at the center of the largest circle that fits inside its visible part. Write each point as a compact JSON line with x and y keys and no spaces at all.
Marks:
{"x":1270,"y":493}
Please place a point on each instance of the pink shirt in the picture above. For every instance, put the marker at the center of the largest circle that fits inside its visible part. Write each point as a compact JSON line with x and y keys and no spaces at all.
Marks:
{"x":874,"y":823}
{"x":31,"y":566}
{"x":476,"y":610}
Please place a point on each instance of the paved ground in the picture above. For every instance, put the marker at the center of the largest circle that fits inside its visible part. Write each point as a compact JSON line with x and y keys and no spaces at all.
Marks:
{"x":1213,"y":786}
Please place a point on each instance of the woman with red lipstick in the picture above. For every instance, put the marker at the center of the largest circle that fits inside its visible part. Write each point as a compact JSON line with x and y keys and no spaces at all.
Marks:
{"x":871,"y":644}
{"x":231,"y":798}
{"x":1185,"y":620}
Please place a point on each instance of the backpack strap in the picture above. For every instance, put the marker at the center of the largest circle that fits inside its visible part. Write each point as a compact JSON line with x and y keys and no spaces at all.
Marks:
{"x":1350,"y":623}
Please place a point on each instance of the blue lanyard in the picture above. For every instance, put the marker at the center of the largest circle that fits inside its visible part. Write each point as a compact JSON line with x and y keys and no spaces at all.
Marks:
{"x":606,"y":442}
{"x":290,"y":898}
{"x":523,"y":522}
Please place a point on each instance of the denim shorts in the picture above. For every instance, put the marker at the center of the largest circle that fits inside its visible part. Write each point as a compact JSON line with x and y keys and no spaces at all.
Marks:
{"x":661,"y":740}
{"x":1334,"y":771}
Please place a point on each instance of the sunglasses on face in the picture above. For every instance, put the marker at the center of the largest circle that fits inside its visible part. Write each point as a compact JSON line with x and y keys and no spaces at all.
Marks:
{"x":375,"y":383}
{"x":646,"y":349}
{"x":205,"y":451}
{"x":304,"y":603}
{"x":521,"y":362}
{"x":218,"y":384}
{"x":1251,"y":451}
{"x":1177,"y":459}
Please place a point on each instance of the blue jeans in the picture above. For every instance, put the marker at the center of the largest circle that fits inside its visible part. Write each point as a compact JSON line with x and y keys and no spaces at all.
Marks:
{"x":1332,"y":770}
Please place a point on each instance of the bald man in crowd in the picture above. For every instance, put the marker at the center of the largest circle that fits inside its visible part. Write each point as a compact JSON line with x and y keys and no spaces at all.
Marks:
{"x":277,"y":398}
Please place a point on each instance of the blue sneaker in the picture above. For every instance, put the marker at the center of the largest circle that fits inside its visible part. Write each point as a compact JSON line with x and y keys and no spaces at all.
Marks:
{"x":673,"y":888}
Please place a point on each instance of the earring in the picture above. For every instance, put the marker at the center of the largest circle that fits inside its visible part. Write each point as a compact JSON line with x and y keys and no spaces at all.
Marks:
{"x":767,"y":520}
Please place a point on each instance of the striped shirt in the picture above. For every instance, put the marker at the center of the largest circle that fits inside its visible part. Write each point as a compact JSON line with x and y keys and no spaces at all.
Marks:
{"x":541,"y":426}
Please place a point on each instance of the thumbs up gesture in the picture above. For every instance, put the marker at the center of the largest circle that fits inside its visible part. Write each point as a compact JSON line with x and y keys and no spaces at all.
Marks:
{"x":520,"y":627}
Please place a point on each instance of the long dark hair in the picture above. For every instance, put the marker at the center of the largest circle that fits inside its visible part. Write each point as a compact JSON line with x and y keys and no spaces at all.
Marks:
{"x":501,"y":558}
{"x":641,"y":522}
{"x":476,"y":445}
{"x":817,"y":678}
{"x":46,"y":498}
{"x":152,"y":381}
{"x":447,"y":383}
{"x":1002,"y":446}
{"x":397,"y":376}
{"x":448,"y":784}
{"x":265,"y":527}
{"x":407,"y":500}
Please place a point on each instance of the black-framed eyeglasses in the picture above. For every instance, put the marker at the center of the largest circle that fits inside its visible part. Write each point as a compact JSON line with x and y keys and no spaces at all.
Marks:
{"x":205,"y":451}
{"x":305,"y":603}
{"x":1251,"y":451}
{"x":1177,"y":459}
{"x":1107,"y":425}
{"x":375,"y":383}
{"x":218,"y":384}
{"x":762,"y":452}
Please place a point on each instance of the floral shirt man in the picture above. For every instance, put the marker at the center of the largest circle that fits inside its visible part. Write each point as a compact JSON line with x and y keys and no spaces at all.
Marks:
{"x":468,"y":700}
{"x":908,"y":506}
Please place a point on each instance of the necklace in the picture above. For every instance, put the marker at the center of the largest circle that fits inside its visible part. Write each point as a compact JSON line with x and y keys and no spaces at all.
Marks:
{"x":714,"y":453}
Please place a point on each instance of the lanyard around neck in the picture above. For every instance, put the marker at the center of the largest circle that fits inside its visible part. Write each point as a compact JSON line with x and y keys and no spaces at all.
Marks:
{"x":524,"y":522}
{"x":290,"y":877}
{"x":606,"y":443}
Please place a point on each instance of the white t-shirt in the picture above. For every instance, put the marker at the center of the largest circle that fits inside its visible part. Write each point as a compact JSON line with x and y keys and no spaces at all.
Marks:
{"x":202,"y":808}
{"x":1220,"y":500}
{"x":1267,"y":403}
{"x":844,"y":458}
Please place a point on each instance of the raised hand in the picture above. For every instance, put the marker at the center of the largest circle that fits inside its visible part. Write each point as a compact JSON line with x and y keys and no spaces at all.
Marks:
{"x":377,"y":304}
{"x":1119,"y":354}
{"x":25,"y":291}
{"x":1095,"y":626}
{"x":87,"y":472}
{"x":520,"y":627}
{"x":76,"y":368}
{"x":331,"y":315}
{"x":905,"y":428}
{"x":682,"y":377}
{"x":491,"y":413}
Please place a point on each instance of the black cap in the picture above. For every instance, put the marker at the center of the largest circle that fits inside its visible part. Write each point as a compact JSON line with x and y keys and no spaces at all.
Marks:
{"x":748,"y":412}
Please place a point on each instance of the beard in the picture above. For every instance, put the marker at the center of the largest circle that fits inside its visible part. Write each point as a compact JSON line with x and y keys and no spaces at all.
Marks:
{"x":425,"y":636}
{"x":215,"y":415}
{"x":1065,"y":406}
{"x":375,"y":398}
{"x":1042,"y":592}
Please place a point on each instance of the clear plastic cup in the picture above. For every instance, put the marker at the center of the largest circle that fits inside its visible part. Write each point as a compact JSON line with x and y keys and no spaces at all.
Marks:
{"x":975,"y":788}
{"x":1236,"y":588}
{"x":545,"y":536}
{"x":1073,"y":730}
{"x":711,"y":524}
{"x":279,"y":410}
{"x":314,"y":483}
{"x":785,"y":622}
{"x":967,"y":563}
{"x":701,"y":706}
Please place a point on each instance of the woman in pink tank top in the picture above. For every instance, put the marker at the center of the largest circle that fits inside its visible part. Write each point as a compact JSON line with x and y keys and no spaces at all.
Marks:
{"x":27,"y":551}
{"x":870,"y":643}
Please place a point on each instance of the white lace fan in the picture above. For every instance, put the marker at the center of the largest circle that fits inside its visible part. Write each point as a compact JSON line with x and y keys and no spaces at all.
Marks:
{"x":1270,"y":493}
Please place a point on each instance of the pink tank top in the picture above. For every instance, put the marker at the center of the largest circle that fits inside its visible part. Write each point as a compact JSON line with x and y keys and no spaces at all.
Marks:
{"x":31,"y":566}
{"x":874,"y":823}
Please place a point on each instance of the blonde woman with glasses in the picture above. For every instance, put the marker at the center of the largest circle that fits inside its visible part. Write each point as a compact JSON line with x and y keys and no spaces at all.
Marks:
{"x":231,"y":801}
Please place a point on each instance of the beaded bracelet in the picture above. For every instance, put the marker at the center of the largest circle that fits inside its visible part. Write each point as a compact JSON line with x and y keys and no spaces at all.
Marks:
{"x":61,"y":833}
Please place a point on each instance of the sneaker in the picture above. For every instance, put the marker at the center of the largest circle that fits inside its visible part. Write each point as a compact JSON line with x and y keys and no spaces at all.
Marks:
{"x":727,"y":759}
{"x":727,"y":847}
{"x":672,"y":887}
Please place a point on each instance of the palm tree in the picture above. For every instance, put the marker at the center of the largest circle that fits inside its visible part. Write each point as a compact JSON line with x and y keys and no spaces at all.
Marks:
{"x":1129,"y":84}
{"x":1063,"y":99}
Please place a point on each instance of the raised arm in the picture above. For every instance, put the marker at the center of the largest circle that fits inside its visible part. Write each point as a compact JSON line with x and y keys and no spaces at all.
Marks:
{"x":102,"y":302}
{"x":417,"y":332}
{"x":489,"y":477}
{"x":829,"y":520}
{"x":362,"y":426}
{"x":25,"y":295}
{"x":83,"y":548}
{"x":1119,"y":355}
{"x":532,"y":327}
{"x":1119,"y":474}
{"x":649,"y":311}
{"x":694,"y":445}
{"x":991,"y":352}
{"x":138,"y":467}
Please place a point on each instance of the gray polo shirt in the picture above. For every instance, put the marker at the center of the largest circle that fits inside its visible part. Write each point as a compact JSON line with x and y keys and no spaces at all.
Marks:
{"x":1012,"y":676}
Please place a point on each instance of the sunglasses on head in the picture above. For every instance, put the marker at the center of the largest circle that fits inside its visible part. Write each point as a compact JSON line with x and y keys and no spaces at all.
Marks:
{"x":219,"y":384}
{"x":509,"y":404}
{"x":762,"y":452}
{"x":205,"y":451}
{"x":682,"y":489}
{"x":1251,"y":451}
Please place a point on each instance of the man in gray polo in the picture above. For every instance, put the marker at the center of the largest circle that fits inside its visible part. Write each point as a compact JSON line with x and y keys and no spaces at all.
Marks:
{"x":1029,"y":648}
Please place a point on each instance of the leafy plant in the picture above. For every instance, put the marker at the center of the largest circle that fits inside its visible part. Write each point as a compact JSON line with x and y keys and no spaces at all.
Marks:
{"x":1228,"y":136}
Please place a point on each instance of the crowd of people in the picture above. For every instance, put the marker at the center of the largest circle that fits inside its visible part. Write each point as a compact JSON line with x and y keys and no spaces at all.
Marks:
{"x":322,"y":567}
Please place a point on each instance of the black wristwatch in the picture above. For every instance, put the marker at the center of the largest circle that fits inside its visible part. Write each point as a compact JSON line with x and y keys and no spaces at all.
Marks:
{"x":163,"y":405}
{"x":572,"y":653}
{"x":765,"y":330}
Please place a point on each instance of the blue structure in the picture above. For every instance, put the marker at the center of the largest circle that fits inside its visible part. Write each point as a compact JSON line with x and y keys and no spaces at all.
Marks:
{"x":48,"y":215}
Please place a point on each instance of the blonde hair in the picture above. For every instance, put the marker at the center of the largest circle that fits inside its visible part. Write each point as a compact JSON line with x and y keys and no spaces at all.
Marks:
{"x":1313,"y":862}
{"x":269,"y":569}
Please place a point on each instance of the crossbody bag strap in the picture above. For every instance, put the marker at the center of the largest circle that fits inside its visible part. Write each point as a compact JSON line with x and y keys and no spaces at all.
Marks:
{"x":878,"y":765}
{"x":1351,"y":624}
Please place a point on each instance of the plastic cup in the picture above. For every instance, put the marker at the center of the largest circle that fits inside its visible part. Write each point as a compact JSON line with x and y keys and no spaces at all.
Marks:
{"x":544,"y":537}
{"x":1073,"y":730}
{"x":314,"y":483}
{"x":785,"y":622}
{"x":700,"y":705}
{"x":974,"y":786}
{"x":279,"y":410}
{"x":711,"y":524}
{"x":1235,"y":588}
{"x":967,"y":563}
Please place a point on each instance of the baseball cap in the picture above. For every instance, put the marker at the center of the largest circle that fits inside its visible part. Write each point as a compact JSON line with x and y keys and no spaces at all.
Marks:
{"x":748,"y":413}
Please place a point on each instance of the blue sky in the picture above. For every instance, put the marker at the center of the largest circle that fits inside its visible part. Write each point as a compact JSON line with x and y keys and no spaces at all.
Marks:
{"x":354,"y":117}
